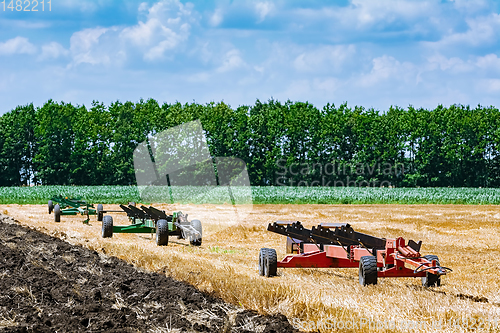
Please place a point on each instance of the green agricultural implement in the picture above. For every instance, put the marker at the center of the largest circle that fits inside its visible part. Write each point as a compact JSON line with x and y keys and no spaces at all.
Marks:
{"x":72,"y":206}
{"x":149,"y":220}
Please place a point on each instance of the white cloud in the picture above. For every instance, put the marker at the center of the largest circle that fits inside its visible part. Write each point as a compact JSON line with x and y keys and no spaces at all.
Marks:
{"x":141,"y":33}
{"x":489,"y":62}
{"x":489,"y":85}
{"x":329,"y":85}
{"x":97,"y":46}
{"x":324,"y":58}
{"x":387,"y":68}
{"x":171,"y":41}
{"x":52,"y":50}
{"x":367,"y":14}
{"x":143,"y":7}
{"x":17,"y":45}
{"x":85,"y":47}
{"x":453,"y":64}
{"x":470,"y":6}
{"x":83,"y":41}
{"x":263,"y":9}
{"x":367,"y":52}
{"x":232,"y":60}
{"x":482,"y":31}
{"x":167,"y":25}
{"x":216,"y":18}
{"x":259,"y":69}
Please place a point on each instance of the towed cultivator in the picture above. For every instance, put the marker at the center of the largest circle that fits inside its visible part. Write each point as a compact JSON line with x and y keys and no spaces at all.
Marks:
{"x":149,"y":220}
{"x":71,"y":206}
{"x":331,"y":245}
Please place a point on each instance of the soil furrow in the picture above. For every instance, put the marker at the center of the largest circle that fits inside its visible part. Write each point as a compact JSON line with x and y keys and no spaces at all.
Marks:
{"x":49,"y":285}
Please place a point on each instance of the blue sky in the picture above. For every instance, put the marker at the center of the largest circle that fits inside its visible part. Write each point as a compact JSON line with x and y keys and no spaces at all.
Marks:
{"x":363,"y":52}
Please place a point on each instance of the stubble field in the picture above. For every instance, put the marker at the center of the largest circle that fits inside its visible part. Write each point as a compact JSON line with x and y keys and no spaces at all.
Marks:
{"x":466,"y":239}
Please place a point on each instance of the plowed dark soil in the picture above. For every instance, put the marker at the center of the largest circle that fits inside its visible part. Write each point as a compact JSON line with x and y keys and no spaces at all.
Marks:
{"x":48,"y":285}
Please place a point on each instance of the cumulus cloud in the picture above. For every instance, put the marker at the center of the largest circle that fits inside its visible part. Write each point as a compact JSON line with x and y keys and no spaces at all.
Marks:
{"x":85,"y":47}
{"x":453,"y":64}
{"x":52,"y":50}
{"x":387,"y":68}
{"x":263,"y":9}
{"x":369,"y":14}
{"x":167,"y":25}
{"x":232,"y":60}
{"x":489,"y":62}
{"x":482,"y":30}
{"x":216,"y":18}
{"x":372,"y":53}
{"x":17,"y":45}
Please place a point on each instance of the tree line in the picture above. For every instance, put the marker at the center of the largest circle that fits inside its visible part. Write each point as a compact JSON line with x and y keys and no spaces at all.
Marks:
{"x":282,"y":143}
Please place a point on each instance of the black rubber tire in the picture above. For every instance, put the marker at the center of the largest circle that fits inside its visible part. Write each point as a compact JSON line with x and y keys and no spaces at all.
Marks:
{"x":262,"y":260}
{"x":51,"y":206}
{"x":368,"y":270}
{"x":270,"y":263}
{"x":431,"y":280}
{"x":100,"y":214}
{"x":107,"y":226}
{"x":196,"y":240}
{"x":57,"y":213}
{"x":162,"y":233}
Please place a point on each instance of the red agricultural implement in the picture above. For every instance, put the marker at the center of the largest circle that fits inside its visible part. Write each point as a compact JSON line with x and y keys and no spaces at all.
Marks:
{"x":332,"y":245}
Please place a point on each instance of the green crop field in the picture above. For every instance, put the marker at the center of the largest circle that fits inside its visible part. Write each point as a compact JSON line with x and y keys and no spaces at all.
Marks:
{"x":375,"y":195}
{"x":260,"y":195}
{"x":92,"y":194}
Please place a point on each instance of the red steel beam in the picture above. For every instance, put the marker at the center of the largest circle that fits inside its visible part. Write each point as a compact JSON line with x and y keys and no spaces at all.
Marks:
{"x":316,"y":260}
{"x":335,"y":256}
{"x":399,"y":271}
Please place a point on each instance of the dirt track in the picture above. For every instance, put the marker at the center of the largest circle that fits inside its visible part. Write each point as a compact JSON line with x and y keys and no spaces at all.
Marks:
{"x":49,"y":285}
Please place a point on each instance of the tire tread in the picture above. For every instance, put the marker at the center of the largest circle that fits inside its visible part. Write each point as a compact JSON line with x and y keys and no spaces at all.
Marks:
{"x":107,"y":226}
{"x":368,"y":270}
{"x":270,"y":263}
{"x":162,"y":233}
{"x":57,"y":213}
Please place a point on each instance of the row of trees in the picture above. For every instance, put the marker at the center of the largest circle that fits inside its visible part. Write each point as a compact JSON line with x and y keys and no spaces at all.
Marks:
{"x":291,"y":143}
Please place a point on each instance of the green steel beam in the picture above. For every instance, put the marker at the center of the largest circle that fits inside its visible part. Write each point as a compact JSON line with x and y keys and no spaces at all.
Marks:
{"x":146,"y":227}
{"x":133,"y":229}
{"x":76,"y":211}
